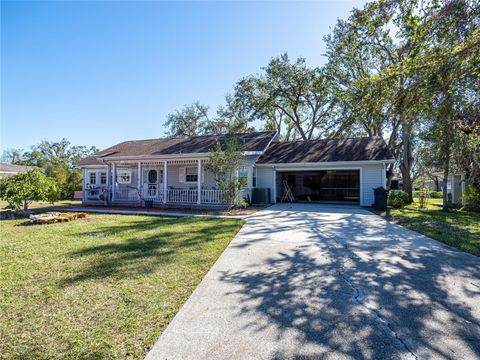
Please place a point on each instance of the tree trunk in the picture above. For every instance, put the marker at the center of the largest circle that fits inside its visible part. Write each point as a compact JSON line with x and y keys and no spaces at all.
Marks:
{"x":25,"y":205}
{"x":445,"y":190}
{"x":407,"y":159}
{"x":390,"y":176}
{"x":437,"y":184}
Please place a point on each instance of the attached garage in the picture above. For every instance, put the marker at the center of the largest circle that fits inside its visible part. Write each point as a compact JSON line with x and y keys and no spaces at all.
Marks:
{"x":336,"y":186}
{"x":341,"y":171}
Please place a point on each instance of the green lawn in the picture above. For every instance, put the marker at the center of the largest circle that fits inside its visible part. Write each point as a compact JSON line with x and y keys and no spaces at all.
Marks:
{"x":460,"y":229}
{"x":103,"y":287}
{"x":38,"y":205}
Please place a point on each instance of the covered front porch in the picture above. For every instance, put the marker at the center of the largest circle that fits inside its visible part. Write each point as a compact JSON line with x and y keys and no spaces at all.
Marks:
{"x":169,"y":181}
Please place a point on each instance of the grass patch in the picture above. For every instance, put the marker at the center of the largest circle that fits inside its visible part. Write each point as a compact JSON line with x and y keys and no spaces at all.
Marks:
{"x":460,"y":229}
{"x":102,"y":287}
{"x":40,"y":204}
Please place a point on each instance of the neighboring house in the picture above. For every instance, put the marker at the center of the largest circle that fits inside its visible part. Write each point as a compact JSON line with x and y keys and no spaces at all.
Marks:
{"x":456,"y":185}
{"x":10,"y":169}
{"x":172,"y":170}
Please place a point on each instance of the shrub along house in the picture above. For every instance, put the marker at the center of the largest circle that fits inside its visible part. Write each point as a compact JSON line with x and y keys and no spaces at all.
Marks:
{"x":173,"y":171}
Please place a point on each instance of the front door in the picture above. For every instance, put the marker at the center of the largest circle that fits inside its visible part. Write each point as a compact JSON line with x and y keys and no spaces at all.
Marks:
{"x":152,"y":180}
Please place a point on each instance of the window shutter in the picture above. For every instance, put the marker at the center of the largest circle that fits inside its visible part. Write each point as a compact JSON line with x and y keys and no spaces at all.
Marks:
{"x":181,"y":174}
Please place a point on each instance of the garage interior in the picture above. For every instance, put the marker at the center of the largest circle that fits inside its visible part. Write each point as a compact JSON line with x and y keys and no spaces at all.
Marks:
{"x":329,"y":186}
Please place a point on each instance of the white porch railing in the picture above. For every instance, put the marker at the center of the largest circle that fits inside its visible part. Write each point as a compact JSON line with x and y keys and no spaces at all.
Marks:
{"x":181,"y":196}
{"x":212,"y":197}
{"x":177,"y":196}
{"x":126,"y":194}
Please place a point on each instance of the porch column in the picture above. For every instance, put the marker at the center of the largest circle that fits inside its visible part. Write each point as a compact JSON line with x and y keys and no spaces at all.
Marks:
{"x":109,"y":185}
{"x":274,"y":189}
{"x":165,"y":181}
{"x":84,"y":184}
{"x":114,"y":181}
{"x":199,"y":182}
{"x":139,"y":180}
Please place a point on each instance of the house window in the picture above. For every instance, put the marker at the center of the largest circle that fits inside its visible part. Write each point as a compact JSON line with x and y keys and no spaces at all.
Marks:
{"x":191,"y":174}
{"x":93,"y":178}
{"x":103,"y":178}
{"x":242,"y":174}
{"x":124,"y":176}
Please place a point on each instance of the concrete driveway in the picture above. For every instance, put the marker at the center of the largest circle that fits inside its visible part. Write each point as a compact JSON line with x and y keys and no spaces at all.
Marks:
{"x":331,"y":282}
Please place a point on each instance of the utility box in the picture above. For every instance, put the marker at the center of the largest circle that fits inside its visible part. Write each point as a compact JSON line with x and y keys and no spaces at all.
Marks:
{"x":380,"y":198}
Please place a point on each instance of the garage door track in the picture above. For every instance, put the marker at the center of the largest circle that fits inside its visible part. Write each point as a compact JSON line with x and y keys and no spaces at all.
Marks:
{"x":331,"y":282}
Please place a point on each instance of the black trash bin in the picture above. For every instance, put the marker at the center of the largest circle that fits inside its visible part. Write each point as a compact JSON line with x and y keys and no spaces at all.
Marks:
{"x":380,"y":198}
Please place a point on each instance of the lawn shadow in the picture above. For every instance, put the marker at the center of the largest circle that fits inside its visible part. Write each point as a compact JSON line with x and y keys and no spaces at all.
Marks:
{"x":144,"y":244}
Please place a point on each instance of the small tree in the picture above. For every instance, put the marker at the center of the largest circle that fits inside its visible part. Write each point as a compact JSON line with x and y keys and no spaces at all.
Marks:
{"x":26,"y":187}
{"x":224,"y":162}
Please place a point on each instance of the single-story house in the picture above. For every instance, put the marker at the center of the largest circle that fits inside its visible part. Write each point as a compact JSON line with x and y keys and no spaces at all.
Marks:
{"x":173,"y":170}
{"x":11,"y":169}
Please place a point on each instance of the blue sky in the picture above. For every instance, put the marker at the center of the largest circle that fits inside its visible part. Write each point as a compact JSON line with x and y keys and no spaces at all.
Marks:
{"x":98,"y":73}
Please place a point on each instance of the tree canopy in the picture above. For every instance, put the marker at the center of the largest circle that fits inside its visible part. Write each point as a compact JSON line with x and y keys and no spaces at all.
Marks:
{"x":23,"y":188}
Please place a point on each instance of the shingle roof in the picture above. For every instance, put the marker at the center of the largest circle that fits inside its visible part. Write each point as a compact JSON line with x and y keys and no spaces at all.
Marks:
{"x":4,"y":167}
{"x":253,"y":141}
{"x":328,"y":150}
{"x":91,"y":160}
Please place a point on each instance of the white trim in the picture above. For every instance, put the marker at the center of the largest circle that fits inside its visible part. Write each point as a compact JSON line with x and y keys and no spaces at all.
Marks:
{"x":334,"y":163}
{"x":361,"y":187}
{"x":316,"y":168}
{"x":274,"y":187}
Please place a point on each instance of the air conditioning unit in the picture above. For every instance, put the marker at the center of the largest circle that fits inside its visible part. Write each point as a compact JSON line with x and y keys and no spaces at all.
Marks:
{"x":261,"y":196}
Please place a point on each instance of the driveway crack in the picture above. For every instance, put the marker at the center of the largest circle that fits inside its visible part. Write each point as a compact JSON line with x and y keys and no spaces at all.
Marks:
{"x":357,"y":297}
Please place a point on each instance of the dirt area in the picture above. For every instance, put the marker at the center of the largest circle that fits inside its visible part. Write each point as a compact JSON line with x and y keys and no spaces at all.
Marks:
{"x":170,"y":209}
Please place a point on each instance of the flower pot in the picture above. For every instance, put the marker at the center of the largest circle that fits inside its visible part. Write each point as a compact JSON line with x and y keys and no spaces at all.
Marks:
{"x":148,"y":204}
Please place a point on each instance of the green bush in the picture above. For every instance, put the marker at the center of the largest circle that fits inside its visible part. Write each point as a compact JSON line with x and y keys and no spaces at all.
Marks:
{"x":471,"y":197}
{"x":397,"y":198}
{"x":432,"y":194}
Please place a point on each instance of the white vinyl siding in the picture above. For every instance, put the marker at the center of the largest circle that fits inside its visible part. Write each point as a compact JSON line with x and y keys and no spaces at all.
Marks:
{"x":372,"y":177}
{"x":265,"y":179}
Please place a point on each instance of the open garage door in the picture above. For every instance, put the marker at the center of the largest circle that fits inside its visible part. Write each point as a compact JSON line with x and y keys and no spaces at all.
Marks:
{"x":334,"y":186}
